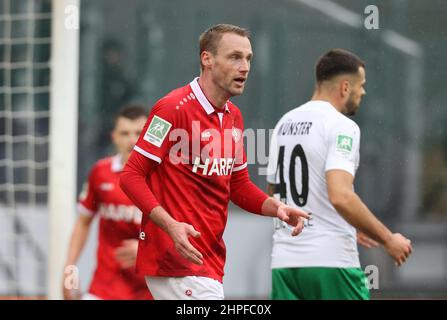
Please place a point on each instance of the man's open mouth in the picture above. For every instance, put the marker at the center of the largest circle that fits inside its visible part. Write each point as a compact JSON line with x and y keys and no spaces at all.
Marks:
{"x":240,"y":80}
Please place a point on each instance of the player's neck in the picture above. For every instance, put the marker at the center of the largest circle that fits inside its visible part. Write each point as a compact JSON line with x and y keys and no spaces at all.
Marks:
{"x":214,"y":95}
{"x":323,"y":96}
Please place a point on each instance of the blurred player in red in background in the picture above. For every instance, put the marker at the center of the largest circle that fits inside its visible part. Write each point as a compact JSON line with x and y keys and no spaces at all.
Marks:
{"x":185,"y":203}
{"x":119,"y":223}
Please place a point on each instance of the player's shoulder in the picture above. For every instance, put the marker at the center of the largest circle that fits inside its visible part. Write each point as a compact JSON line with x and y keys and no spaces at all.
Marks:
{"x":342,"y":121}
{"x":174,"y":99}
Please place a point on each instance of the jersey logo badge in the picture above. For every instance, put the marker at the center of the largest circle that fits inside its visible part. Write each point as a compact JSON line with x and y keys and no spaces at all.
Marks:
{"x":157,"y":131}
{"x":344,"y":144}
{"x":188,"y":292}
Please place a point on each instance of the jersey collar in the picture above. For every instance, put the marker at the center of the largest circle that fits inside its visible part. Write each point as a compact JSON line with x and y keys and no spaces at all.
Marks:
{"x":116,"y":163}
{"x":206,"y":105}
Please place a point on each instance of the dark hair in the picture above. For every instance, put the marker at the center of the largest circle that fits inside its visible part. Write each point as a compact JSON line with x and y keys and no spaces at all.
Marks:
{"x":209,"y":39}
{"x":131,"y":112}
{"x":337,"y":62}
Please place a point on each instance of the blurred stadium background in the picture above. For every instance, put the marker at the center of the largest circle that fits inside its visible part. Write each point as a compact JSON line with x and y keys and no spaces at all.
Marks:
{"x":59,"y":87}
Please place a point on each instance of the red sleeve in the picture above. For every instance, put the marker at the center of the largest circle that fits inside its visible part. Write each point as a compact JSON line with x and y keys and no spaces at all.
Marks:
{"x":245,"y":194}
{"x":88,"y":204}
{"x":133,"y":182}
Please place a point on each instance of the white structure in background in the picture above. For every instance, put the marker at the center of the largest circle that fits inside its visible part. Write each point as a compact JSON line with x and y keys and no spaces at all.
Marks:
{"x":63,"y":137}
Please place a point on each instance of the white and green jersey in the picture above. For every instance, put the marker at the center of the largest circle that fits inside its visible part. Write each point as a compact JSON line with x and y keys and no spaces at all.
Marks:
{"x":307,"y":142}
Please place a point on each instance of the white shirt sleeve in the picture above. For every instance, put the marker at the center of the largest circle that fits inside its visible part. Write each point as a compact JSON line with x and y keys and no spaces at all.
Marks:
{"x":344,"y":147}
{"x":273,"y":157}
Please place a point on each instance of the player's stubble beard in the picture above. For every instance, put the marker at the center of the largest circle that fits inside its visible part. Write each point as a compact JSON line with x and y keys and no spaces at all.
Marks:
{"x":227,"y":87}
{"x":351,"y":106}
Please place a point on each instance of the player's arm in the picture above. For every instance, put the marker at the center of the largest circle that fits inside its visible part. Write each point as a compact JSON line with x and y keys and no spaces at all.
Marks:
{"x":179,"y":233}
{"x":77,"y":242}
{"x":349,"y":205}
{"x":78,"y":238}
{"x":133,"y":183}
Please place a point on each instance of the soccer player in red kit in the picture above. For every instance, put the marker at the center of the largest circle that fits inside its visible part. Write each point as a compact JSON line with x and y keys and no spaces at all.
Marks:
{"x":188,"y":163}
{"x":119,"y":219}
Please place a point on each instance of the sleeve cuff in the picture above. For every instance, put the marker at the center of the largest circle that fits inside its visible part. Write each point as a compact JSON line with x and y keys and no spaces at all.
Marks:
{"x":347,"y":168}
{"x":85,"y":211}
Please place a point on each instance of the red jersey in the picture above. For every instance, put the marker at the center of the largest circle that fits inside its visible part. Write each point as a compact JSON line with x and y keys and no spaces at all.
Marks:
{"x":119,"y":220}
{"x":199,"y":149}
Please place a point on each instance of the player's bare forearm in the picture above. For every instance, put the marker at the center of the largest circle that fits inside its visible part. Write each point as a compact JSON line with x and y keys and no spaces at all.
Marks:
{"x":270,"y":207}
{"x":78,"y":239}
{"x":162,"y":218}
{"x":357,"y":214}
{"x":179,"y":233}
{"x":349,"y":205}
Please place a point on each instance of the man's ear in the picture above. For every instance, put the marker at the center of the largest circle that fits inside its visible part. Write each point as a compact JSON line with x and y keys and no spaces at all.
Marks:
{"x":345,"y":87}
{"x":206,"y":57}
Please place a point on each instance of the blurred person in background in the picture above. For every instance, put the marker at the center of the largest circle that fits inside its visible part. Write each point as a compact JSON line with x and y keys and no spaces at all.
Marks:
{"x":119,"y":220}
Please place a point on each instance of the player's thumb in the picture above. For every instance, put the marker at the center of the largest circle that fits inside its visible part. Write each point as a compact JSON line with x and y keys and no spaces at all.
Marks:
{"x":282,"y":214}
{"x":193,"y":232}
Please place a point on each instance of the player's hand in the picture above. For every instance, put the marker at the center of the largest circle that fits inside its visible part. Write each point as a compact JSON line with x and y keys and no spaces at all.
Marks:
{"x":126,"y":254}
{"x":399,"y":248}
{"x":366,"y":241}
{"x":293,"y":217}
{"x":180,"y":232}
